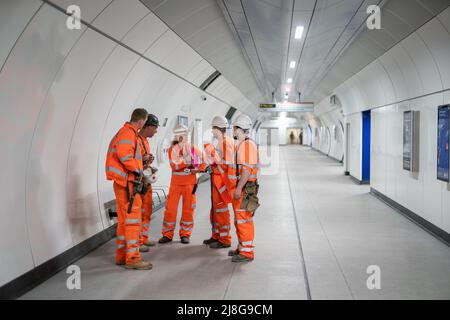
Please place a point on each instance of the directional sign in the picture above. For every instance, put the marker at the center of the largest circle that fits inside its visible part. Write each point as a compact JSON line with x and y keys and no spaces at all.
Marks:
{"x":267,"y":105}
{"x":287,"y":107}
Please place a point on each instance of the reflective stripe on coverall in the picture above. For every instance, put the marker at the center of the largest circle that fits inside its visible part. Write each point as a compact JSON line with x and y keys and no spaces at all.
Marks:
{"x":182,"y":185}
{"x":247,"y":159}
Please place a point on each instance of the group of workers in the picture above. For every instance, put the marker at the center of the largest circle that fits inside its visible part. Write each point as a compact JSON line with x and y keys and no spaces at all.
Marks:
{"x":233,"y":166}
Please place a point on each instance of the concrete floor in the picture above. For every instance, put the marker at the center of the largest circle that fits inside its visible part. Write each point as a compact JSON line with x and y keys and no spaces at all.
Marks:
{"x":317,"y":232}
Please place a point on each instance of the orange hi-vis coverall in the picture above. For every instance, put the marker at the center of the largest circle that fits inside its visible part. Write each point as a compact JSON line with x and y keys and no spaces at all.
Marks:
{"x":246,"y":158}
{"x":123,"y":160}
{"x":147,"y":199}
{"x":220,"y":159}
{"x":182,"y":184}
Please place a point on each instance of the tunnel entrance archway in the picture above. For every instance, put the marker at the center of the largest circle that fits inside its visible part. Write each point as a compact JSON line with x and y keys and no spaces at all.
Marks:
{"x":294,"y":136}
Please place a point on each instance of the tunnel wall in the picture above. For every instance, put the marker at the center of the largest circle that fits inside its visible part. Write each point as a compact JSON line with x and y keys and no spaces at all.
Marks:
{"x":413,"y":75}
{"x":331,"y":135}
{"x":63,"y":95}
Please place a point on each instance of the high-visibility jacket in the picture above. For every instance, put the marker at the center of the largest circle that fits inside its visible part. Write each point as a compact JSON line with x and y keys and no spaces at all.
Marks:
{"x":221,"y":159}
{"x":144,"y":145}
{"x":246,"y":158}
{"x":187,"y":157}
{"x":124,"y":156}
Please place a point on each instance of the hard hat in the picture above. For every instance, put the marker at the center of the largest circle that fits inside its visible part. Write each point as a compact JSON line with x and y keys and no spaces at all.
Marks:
{"x":220,"y":122}
{"x":243,"y":121}
{"x":180,"y":129}
{"x":152,"y":120}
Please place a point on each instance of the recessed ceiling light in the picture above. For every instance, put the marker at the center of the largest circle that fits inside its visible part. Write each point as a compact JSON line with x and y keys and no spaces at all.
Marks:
{"x":289,"y":80}
{"x":299,"y":32}
{"x":292,"y":64}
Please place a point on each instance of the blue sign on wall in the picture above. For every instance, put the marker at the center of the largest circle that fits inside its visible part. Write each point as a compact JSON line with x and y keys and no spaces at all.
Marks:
{"x":443,"y":143}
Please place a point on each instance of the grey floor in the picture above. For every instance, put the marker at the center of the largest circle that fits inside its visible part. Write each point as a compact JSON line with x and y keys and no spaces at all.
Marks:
{"x":317,"y":232}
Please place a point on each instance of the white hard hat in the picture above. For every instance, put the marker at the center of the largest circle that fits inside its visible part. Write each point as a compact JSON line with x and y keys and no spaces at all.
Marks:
{"x":220,"y":122}
{"x":180,"y":129}
{"x":243,"y":121}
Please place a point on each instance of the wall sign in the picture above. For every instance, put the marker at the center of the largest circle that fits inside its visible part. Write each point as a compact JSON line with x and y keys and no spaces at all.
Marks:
{"x":411,"y":126}
{"x":443,"y":143}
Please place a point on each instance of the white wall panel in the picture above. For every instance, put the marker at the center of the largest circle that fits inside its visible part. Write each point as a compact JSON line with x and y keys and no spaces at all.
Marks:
{"x":90,"y":9}
{"x":200,"y":73}
{"x":428,"y":137}
{"x":444,"y":18}
{"x":82,"y":163}
{"x":24,"y":82}
{"x":163,"y":46}
{"x":120,"y":16}
{"x":419,"y":53}
{"x":409,"y":71}
{"x":396,"y":78}
{"x":437,"y":40}
{"x":119,"y":113}
{"x":182,"y":59}
{"x":445,"y":188}
{"x":14,"y":16}
{"x":50,"y":223}
{"x":355,"y":145}
{"x":145,"y":33}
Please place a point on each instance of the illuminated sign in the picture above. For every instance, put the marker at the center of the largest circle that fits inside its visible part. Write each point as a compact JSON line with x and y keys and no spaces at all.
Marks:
{"x":287,"y":107}
{"x":443,"y":143}
{"x":267,"y":105}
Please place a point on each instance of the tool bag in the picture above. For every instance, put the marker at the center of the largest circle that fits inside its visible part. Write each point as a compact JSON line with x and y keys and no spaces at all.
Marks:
{"x":250,"y":202}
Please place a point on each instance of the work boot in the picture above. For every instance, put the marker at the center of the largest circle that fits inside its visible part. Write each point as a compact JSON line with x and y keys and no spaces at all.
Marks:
{"x":185,"y":240}
{"x":240,"y":258}
{"x":149,"y":243}
{"x":165,"y":240}
{"x":139,"y":265}
{"x":120,"y":263}
{"x":144,"y":249}
{"x":233,"y":253}
{"x":219,"y":245}
{"x":209,"y":241}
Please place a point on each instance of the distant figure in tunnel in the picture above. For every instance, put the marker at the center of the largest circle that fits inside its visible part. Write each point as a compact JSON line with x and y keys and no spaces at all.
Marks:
{"x":292,"y":137}
{"x":300,"y":138}
{"x":186,"y":161}
{"x":245,"y":189}
{"x":148,"y":131}
{"x":124,"y":166}
{"x":220,"y":156}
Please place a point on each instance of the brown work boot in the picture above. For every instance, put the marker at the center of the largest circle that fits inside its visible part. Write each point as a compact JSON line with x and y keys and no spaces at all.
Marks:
{"x":144,"y":248}
{"x":149,"y":243}
{"x":185,"y":240}
{"x":139,"y":265}
{"x":209,"y":241}
{"x":165,"y":240}
{"x":241,"y":258}
{"x":219,"y":245}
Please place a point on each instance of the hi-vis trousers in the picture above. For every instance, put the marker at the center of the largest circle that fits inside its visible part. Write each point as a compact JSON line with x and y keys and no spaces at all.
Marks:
{"x":128,"y":225}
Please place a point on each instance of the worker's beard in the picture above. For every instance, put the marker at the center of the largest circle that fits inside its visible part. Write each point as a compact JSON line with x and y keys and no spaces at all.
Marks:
{"x":239,"y":136}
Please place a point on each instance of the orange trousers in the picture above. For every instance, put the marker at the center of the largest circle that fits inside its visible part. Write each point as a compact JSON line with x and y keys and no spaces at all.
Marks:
{"x":147,"y":206}
{"x":245,"y":229}
{"x":220,"y":215}
{"x":170,"y":214}
{"x":128,"y":225}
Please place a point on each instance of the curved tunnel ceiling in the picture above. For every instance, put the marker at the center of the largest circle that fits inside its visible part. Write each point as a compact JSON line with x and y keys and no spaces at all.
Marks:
{"x":335,"y":43}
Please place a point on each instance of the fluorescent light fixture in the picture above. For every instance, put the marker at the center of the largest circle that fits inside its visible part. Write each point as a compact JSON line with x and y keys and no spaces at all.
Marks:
{"x":289,"y":80}
{"x":292,"y":64}
{"x":299,"y":32}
